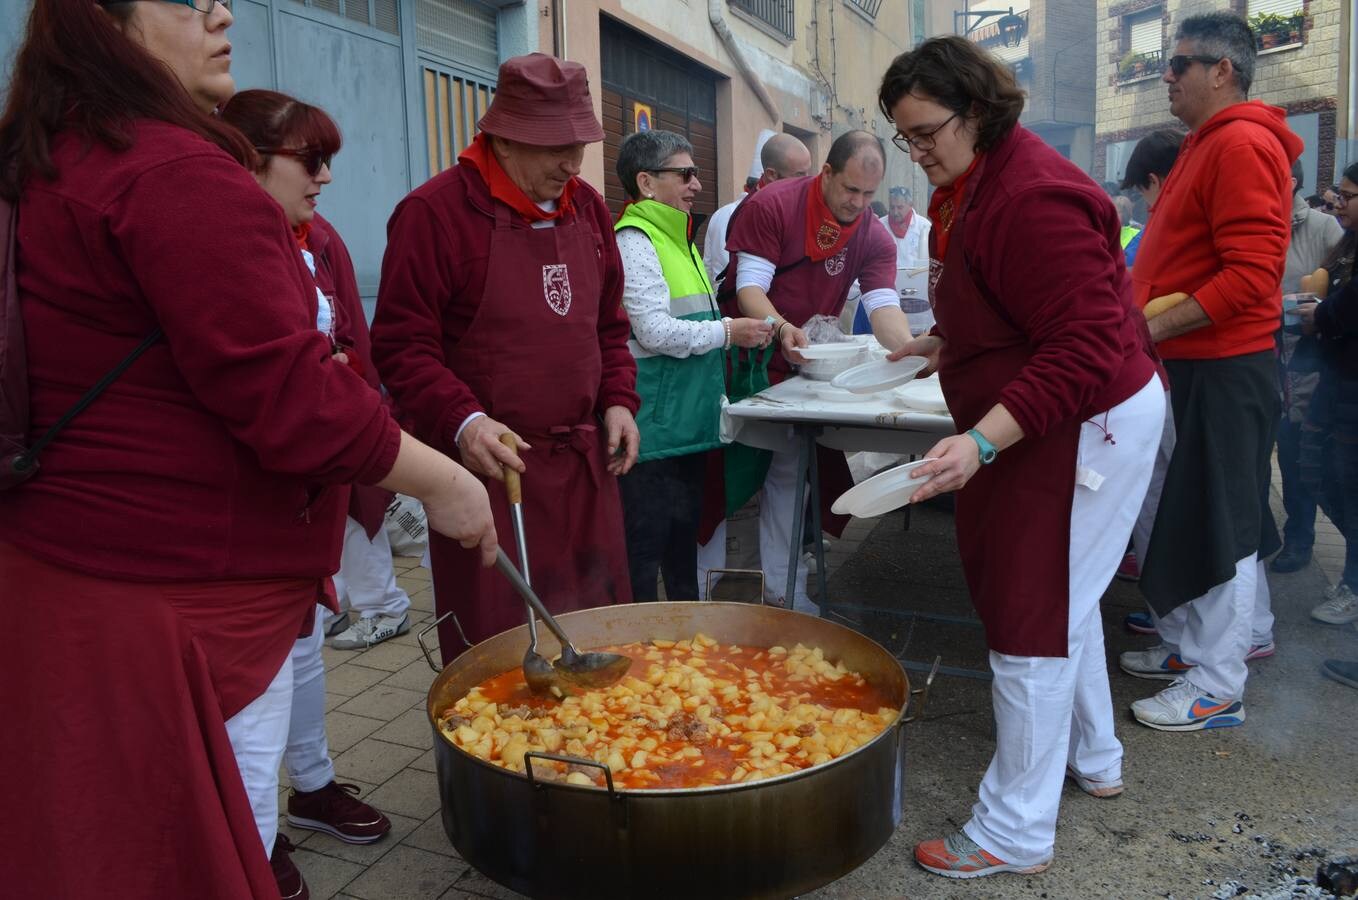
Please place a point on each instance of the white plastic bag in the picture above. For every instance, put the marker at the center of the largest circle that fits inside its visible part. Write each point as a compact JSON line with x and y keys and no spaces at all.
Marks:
{"x":407,"y":528}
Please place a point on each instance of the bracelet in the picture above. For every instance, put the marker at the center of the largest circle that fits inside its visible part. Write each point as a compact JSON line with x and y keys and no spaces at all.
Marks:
{"x":726,"y":323}
{"x":778,"y":332}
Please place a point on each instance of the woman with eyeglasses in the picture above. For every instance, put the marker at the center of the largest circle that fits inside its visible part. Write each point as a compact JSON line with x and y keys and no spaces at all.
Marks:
{"x":1044,"y":364}
{"x":679,"y":340}
{"x":181,"y":529}
{"x":296,"y":142}
{"x":1329,"y":437}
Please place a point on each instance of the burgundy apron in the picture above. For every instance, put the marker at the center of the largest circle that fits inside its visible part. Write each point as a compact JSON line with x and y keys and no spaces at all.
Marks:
{"x":1013,"y":516}
{"x":531,"y":356}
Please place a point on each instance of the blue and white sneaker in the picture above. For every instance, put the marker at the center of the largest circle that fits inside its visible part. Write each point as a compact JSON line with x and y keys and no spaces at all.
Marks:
{"x":1183,"y":707}
{"x":1140,"y":623}
{"x":1158,"y":662}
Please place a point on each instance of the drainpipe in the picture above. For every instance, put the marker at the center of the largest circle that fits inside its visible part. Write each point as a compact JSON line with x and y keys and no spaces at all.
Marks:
{"x":718,"y":20}
{"x":1353,"y":88}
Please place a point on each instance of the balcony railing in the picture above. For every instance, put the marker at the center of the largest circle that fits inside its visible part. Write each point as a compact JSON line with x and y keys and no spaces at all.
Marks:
{"x":1139,"y":65}
{"x":868,"y":7}
{"x":777,"y":14}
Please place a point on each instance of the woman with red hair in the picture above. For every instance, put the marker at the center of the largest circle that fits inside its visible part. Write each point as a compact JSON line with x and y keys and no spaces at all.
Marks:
{"x":183,"y":527}
{"x":295,"y":142}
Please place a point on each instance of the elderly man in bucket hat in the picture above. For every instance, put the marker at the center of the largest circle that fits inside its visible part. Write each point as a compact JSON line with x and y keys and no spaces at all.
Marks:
{"x":501,"y":336}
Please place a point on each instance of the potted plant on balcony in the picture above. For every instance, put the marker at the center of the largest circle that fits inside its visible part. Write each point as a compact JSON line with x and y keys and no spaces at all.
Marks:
{"x":1132,"y":65}
{"x":1271,"y":29}
{"x":1295,"y":23}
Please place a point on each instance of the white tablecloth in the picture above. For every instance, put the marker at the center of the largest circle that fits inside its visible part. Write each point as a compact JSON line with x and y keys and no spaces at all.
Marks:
{"x":879,"y":422}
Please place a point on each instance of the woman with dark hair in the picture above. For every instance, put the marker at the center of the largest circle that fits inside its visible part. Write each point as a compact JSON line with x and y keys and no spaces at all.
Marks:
{"x":1329,"y":436}
{"x":295,"y":142}
{"x":680,"y":341}
{"x":183,"y":527}
{"x":1044,"y":365}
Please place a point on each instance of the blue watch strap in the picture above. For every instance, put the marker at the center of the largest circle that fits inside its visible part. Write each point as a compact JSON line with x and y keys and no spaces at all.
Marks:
{"x":987,"y":450}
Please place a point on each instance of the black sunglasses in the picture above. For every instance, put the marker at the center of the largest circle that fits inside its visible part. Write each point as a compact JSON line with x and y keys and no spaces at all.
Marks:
{"x":311,"y":159}
{"x":686,"y":173}
{"x":1179,"y":64}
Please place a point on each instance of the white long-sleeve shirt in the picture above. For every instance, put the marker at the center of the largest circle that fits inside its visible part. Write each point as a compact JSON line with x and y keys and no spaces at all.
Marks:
{"x":646,"y":298}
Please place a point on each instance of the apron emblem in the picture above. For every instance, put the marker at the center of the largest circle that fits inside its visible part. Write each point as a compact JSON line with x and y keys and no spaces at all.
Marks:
{"x":835,"y":264}
{"x":826,"y":236}
{"x":556,"y":288}
{"x":935,"y":273}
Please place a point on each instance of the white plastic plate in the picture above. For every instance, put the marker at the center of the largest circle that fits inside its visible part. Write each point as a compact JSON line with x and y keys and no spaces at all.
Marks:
{"x":831,"y":351}
{"x":881,"y":493}
{"x":878,"y":376}
{"x":923,"y":394}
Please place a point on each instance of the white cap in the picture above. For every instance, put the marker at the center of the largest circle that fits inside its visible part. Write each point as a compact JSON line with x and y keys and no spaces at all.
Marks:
{"x":757,"y":166}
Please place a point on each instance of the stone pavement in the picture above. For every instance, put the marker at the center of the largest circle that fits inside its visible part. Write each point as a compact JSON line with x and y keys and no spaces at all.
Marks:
{"x":1201,"y":809}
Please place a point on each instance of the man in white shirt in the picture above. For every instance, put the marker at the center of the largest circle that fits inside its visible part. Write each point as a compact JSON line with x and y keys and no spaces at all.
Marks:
{"x":909,"y":229}
{"x":781,"y":156}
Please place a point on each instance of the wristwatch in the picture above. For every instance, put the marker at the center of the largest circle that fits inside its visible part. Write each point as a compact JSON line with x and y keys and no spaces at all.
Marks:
{"x":984,"y":447}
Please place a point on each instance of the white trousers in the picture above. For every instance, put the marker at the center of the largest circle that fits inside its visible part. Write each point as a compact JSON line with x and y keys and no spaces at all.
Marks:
{"x":366,"y":581}
{"x":1261,"y":620}
{"x":307,"y":756}
{"x":1213,"y":632}
{"x":258,"y":734}
{"x":777,"y":506}
{"x":1054,"y":712}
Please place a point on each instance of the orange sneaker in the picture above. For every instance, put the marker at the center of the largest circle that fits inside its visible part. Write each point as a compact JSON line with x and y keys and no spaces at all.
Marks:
{"x":958,"y":856}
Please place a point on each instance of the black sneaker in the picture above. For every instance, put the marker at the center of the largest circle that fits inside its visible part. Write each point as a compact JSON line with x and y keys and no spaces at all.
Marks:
{"x":1290,"y":559}
{"x":291,"y":884}
{"x":1342,"y":671}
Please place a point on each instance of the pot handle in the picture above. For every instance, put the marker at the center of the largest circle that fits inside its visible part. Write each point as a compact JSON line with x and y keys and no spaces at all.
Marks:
{"x":569,"y":760}
{"x":922,"y":693}
{"x":759,"y":572}
{"x":428,"y":654}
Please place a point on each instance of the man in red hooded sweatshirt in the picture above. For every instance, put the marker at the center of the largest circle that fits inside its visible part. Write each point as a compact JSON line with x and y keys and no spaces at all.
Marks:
{"x":1208,"y":277}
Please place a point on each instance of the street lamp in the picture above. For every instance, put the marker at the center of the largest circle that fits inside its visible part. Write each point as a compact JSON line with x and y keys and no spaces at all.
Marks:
{"x":1012,"y":27}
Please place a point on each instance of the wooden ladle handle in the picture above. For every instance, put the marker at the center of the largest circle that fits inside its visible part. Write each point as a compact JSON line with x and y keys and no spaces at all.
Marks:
{"x":513,"y":484}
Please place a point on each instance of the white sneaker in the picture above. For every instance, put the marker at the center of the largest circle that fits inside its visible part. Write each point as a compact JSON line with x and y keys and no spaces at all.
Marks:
{"x":1158,"y":662}
{"x":1340,"y":606}
{"x":1183,"y":707}
{"x":366,"y":632}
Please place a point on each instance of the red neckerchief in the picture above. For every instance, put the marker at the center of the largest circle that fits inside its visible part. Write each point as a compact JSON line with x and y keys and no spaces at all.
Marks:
{"x":303,"y":234}
{"x":478,"y":155}
{"x":825,"y":235}
{"x":943,"y":207}
{"x":905,"y":226}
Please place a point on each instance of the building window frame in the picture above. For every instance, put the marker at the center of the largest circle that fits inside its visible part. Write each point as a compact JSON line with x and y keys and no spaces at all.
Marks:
{"x":1279,"y":25}
{"x":1133,"y":64}
{"x":868,"y":9}
{"x":309,"y":9}
{"x":776,"y":18}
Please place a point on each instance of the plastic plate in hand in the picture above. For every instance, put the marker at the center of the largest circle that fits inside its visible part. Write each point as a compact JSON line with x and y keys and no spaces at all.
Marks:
{"x":881,"y":493}
{"x":831,"y":351}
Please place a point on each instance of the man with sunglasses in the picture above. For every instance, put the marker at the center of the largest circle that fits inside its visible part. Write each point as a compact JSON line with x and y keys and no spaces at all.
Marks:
{"x":1208,"y":275}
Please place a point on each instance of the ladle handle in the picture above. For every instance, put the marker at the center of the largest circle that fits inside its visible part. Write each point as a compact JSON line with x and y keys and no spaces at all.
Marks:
{"x":507,"y":569}
{"x":513,"y":485}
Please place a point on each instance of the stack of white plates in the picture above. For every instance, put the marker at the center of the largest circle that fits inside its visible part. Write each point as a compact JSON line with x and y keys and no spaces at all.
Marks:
{"x":923,"y":394}
{"x":825,"y":361}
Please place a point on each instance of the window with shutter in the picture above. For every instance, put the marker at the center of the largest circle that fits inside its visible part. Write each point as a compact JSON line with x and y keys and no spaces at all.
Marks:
{"x":380,"y":14}
{"x":1145,"y":32}
{"x":1276,"y":7}
{"x":461,"y":31}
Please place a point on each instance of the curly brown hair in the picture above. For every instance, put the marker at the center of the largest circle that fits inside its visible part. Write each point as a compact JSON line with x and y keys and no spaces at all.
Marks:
{"x":956,"y":73}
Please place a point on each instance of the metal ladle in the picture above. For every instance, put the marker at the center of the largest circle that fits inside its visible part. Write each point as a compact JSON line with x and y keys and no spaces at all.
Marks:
{"x":590,"y":670}
{"x":537,"y":669}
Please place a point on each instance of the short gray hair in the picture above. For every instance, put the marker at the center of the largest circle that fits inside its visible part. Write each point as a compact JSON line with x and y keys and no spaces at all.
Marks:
{"x":647,"y":150}
{"x":1224,"y":35}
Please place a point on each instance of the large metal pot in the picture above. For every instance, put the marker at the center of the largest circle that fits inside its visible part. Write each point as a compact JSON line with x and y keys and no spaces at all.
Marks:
{"x":773,"y":838}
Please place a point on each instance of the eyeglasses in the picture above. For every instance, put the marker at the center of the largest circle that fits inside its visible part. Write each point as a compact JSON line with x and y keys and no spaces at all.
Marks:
{"x":685,"y":173}
{"x":311,"y":158}
{"x":1179,"y":64}
{"x":1345,"y":198}
{"x":203,"y":6}
{"x":923,"y":141}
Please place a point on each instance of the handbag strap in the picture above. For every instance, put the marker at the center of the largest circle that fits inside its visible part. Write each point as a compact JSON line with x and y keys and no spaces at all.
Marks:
{"x":30,"y":457}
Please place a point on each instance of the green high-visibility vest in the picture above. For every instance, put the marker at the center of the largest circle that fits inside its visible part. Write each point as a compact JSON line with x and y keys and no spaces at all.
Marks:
{"x":1128,"y":232}
{"x":680,"y":398}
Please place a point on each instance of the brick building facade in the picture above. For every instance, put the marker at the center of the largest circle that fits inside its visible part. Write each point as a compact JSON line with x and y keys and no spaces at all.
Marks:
{"x":1301,"y":67}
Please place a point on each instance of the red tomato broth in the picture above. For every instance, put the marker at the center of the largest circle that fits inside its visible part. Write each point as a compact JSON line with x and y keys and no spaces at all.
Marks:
{"x":720,"y":754}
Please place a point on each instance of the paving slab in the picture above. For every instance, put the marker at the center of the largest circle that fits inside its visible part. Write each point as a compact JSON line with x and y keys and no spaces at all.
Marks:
{"x":383,"y":701}
{"x":431,"y":836}
{"x":407,"y":873}
{"x":409,"y":793}
{"x":373,"y":761}
{"x":365,"y":854}
{"x":351,"y":678}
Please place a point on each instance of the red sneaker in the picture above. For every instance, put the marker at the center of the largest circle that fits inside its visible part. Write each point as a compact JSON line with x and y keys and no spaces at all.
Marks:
{"x":1129,"y":569}
{"x":291,"y":884}
{"x":336,"y":810}
{"x":958,"y":856}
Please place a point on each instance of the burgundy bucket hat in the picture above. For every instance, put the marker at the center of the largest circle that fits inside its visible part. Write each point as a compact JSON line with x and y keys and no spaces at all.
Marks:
{"x":542,"y":101}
